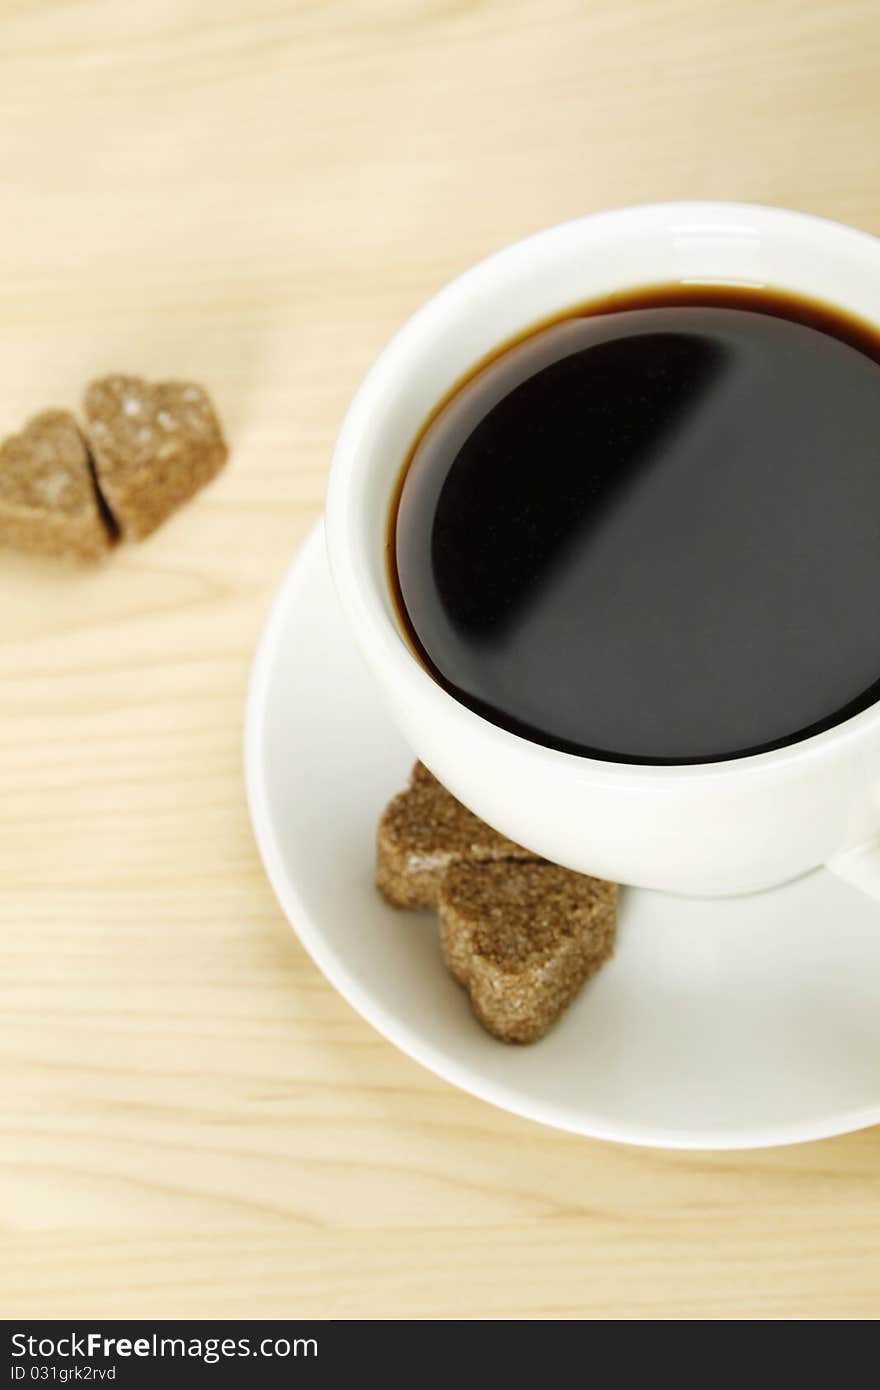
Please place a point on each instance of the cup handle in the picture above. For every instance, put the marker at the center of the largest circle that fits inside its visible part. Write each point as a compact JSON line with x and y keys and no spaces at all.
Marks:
{"x":859,"y":866}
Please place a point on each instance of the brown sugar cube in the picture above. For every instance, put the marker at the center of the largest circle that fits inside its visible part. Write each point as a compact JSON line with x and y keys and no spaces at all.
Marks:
{"x":420,"y":774}
{"x":522,"y":939}
{"x":421,"y":833}
{"x":48,"y":501}
{"x":154,"y":446}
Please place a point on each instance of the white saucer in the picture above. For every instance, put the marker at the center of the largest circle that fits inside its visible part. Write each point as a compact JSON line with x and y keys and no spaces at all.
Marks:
{"x":720,"y":1024}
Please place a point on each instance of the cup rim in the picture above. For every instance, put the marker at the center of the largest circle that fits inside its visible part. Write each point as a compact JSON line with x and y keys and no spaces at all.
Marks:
{"x":380,"y":638}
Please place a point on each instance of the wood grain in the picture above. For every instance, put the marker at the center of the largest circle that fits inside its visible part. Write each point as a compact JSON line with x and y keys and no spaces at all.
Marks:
{"x":191,"y":1122}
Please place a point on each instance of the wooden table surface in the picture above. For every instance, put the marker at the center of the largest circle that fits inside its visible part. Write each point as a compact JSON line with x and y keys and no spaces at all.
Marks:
{"x":191,"y":1121}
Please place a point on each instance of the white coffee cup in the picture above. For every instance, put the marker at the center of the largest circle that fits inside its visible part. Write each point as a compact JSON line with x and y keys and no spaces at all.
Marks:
{"x":715,"y":828}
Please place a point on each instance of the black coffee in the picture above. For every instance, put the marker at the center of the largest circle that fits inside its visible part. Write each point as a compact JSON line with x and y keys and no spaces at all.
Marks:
{"x":650,"y":530}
